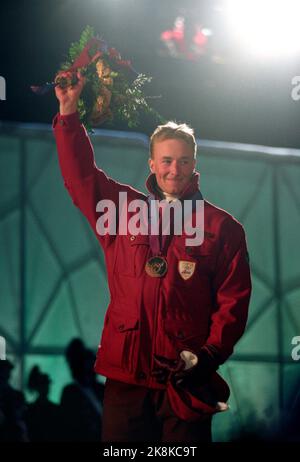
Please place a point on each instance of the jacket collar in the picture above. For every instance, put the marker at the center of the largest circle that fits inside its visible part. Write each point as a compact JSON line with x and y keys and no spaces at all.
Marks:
{"x":191,"y":188}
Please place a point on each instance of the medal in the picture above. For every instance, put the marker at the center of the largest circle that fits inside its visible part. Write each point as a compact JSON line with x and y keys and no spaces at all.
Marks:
{"x":156,"y":267}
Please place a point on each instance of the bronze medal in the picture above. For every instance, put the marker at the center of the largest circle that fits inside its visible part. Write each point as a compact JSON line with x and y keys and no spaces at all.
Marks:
{"x":156,"y":267}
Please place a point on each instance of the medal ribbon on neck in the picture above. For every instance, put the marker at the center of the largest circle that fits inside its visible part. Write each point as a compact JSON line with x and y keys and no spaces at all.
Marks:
{"x":157,"y":265}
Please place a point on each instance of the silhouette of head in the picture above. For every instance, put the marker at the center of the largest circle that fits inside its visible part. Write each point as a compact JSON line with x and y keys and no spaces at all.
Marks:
{"x":81,"y":361}
{"x":5,"y":370}
{"x":39,"y":381}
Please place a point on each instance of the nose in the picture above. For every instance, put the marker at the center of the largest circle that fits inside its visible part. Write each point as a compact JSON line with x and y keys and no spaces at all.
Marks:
{"x":174,"y":168}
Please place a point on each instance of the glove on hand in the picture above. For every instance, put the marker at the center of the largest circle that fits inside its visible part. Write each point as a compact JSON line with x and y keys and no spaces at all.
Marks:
{"x":177,"y":371}
{"x":200,"y":373}
{"x":166,"y":368}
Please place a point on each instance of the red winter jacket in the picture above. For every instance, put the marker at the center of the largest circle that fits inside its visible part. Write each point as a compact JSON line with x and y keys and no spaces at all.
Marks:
{"x":148,"y":315}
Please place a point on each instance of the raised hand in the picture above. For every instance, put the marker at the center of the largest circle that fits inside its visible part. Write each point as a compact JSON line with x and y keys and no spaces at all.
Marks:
{"x":68,"y":95}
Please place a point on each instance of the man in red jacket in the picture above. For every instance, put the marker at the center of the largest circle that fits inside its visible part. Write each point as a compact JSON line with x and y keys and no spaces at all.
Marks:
{"x":177,"y":305}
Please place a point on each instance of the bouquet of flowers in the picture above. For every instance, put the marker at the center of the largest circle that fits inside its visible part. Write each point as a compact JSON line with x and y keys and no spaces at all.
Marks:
{"x":113,"y":88}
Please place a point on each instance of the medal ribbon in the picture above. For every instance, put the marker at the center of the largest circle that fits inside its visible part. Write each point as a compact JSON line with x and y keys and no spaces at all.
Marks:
{"x":159,"y":243}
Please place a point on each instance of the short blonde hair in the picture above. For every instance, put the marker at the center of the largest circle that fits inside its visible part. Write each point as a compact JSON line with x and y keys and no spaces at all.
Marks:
{"x":172,"y":130}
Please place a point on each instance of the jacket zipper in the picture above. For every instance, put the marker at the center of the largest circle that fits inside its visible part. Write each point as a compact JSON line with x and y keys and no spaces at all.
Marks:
{"x":154,"y":329}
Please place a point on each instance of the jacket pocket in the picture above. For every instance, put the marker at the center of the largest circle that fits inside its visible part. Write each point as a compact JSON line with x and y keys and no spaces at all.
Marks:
{"x":203,"y":250}
{"x":132,"y":253}
{"x":119,"y":340}
{"x":186,"y":334}
{"x":195,"y":263}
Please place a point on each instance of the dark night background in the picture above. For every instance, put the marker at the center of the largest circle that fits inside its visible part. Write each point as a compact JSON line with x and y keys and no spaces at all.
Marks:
{"x":241,"y":98}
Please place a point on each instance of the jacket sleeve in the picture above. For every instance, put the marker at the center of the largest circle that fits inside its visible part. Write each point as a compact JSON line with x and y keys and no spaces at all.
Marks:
{"x":231,"y":290}
{"x":85,"y":182}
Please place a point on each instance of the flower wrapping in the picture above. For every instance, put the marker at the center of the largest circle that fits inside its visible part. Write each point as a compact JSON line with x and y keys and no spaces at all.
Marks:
{"x":113,"y":89}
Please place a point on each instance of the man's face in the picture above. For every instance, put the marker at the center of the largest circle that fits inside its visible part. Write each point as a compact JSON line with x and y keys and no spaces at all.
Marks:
{"x":173,"y":164}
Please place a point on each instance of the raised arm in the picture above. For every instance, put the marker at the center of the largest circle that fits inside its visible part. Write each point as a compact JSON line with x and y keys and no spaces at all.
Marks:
{"x":86,"y":183}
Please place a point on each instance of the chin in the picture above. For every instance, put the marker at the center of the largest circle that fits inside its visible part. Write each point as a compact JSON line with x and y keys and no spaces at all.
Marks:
{"x":174,"y":192}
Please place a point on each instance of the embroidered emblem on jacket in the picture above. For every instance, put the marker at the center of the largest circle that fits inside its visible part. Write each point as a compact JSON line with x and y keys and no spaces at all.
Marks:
{"x":186,"y":269}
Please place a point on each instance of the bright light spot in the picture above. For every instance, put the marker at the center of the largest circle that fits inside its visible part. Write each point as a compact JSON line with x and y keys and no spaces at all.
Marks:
{"x":206,"y":32}
{"x":266,"y":27}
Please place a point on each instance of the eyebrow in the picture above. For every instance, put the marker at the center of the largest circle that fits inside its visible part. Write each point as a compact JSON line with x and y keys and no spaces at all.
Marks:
{"x":169,"y":157}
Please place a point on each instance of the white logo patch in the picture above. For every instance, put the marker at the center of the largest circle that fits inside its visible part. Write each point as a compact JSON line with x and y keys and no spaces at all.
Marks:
{"x":186,"y":269}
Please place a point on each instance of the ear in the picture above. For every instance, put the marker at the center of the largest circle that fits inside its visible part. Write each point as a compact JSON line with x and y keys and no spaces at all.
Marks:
{"x":151,"y":165}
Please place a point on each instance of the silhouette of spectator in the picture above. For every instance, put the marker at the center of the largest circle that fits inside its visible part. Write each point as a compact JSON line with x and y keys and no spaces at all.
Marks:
{"x":12,"y":408}
{"x":81,"y":401}
{"x":42,"y":416}
{"x":291,"y":431}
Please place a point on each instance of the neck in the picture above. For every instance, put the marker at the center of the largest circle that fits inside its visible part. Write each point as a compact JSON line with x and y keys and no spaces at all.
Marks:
{"x":169,"y":197}
{"x":166,"y":196}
